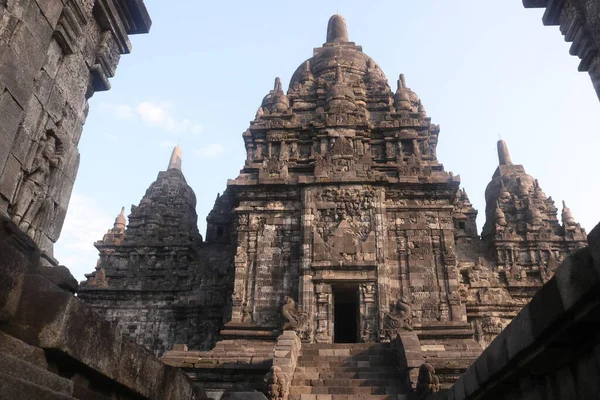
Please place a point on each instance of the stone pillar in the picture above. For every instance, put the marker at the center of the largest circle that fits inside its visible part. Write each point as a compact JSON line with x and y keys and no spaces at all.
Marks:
{"x":324,"y":330}
{"x":368,"y":312}
{"x":383,"y":284}
{"x":306,"y":289}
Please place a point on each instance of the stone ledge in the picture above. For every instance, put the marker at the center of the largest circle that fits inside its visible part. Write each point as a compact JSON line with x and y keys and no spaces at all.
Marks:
{"x":45,"y":316}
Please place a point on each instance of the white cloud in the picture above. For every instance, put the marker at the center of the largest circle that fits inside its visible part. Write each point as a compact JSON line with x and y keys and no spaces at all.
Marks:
{"x":210,"y":151}
{"x":123,"y":111}
{"x":86,"y":222}
{"x":158,"y":114}
{"x":153,"y":114}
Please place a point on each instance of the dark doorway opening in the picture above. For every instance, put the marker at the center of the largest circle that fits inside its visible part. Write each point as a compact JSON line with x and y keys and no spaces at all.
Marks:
{"x":345,"y":314}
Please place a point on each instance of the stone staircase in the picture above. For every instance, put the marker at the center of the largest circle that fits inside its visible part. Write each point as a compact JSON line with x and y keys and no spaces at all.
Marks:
{"x":347,"y":371}
{"x":20,"y":379}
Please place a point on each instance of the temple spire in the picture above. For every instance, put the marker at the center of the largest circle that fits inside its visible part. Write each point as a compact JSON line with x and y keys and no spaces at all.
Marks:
{"x":175,"y":161}
{"x":277,"y":85}
{"x":120,"y":221}
{"x":337,"y":30}
{"x":503,"y":154}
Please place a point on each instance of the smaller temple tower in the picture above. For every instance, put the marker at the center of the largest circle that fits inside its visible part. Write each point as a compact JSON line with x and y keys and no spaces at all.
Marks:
{"x":151,"y":277}
{"x":522,"y":230}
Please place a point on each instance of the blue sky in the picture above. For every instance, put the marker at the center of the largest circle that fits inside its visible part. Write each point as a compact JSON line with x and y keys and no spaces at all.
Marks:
{"x":481,"y":68}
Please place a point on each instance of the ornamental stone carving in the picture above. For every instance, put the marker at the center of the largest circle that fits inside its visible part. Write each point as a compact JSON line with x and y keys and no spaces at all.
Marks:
{"x":398,"y":318}
{"x":427,"y":382}
{"x":33,"y":194}
{"x":293,"y":319}
{"x":277,"y":383}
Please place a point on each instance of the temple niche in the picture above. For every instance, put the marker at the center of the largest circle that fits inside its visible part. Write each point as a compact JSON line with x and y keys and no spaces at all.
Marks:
{"x":342,"y":225}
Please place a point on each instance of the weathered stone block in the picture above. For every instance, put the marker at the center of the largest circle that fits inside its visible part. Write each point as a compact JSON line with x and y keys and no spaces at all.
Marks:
{"x":11,"y":114}
{"x":459,"y":389}
{"x":61,"y":277}
{"x":19,"y":257}
{"x":575,"y":277}
{"x":19,"y":349}
{"x":20,"y":369}
{"x":481,"y":368}
{"x":135,"y":359}
{"x":66,"y":325}
{"x":497,"y":354}
{"x":51,"y":10}
{"x":545,"y":307}
{"x":176,"y":385}
{"x":10,"y":177}
{"x":519,"y":333}
{"x":12,"y":388}
{"x":470,"y":381}
{"x":17,"y":75}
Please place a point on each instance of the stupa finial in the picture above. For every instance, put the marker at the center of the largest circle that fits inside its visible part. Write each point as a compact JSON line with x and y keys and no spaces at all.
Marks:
{"x":175,"y":161}
{"x":503,"y":154}
{"x":337,"y":30}
{"x":120,"y":221}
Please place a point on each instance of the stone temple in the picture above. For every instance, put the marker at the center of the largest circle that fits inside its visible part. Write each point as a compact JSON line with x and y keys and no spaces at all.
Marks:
{"x":342,"y":226}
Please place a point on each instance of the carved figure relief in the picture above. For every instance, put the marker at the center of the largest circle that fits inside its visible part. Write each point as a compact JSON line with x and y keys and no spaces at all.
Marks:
{"x":399,"y":317}
{"x":427,"y":382}
{"x":293,"y":319}
{"x":277,"y":383}
{"x":33,"y":192}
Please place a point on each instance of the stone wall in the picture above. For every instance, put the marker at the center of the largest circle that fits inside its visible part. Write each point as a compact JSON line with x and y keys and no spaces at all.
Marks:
{"x":53,"y":346}
{"x":579,"y":22}
{"x":552,"y":348}
{"x":190,"y":313}
{"x":53,"y":56}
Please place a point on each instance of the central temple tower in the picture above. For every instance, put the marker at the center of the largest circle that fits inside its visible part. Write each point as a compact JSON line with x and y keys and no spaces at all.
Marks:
{"x":342,"y":203}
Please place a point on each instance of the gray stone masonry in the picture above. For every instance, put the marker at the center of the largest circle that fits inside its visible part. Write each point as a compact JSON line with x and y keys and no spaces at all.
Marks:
{"x":551,"y":349}
{"x":54,"y":55}
{"x":54,"y":346}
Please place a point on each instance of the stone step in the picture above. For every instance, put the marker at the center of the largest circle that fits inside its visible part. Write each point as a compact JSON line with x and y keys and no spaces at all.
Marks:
{"x":345,"y":382}
{"x":23,"y":370}
{"x":346,"y":350}
{"x":326,"y":368}
{"x":344,"y":364}
{"x":378,"y":374}
{"x":349,"y":391}
{"x":353,"y":357}
{"x":346,"y":397}
{"x":364,"y":346}
{"x":355,"y":391}
{"x":12,"y":388}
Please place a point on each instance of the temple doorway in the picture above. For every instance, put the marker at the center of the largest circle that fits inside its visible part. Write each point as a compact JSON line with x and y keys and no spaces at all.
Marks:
{"x":346,"y":314}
